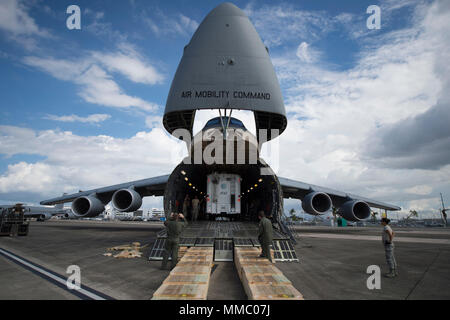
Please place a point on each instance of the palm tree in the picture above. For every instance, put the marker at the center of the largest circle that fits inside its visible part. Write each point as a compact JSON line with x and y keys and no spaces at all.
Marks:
{"x":334,"y":212}
{"x":412,"y":213}
{"x":374,"y":215}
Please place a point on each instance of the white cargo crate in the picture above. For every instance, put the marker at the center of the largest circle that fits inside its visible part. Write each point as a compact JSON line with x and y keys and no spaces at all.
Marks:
{"x":224,"y":194}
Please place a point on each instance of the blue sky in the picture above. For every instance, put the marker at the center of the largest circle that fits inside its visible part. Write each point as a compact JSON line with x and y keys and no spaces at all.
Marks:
{"x":82,"y":108}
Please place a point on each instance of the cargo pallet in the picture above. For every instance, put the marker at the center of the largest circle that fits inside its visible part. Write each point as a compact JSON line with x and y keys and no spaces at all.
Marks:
{"x":189,"y":280}
{"x":261,"y":279}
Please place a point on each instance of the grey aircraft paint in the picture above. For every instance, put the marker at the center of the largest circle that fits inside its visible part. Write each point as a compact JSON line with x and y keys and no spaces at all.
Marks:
{"x":225,"y":66}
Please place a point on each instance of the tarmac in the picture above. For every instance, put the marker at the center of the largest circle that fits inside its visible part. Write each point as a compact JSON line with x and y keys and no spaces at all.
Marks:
{"x":333,"y":263}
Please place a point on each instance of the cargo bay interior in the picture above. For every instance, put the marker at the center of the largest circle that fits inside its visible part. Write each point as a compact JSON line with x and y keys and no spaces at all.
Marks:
{"x":257,"y":192}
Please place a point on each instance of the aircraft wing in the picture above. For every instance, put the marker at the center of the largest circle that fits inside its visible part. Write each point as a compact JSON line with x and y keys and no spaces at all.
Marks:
{"x":147,"y":187}
{"x":298,"y":190}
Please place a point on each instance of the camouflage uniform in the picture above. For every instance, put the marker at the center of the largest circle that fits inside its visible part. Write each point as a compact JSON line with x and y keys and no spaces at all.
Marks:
{"x":389,"y":251}
{"x":174,"y":229}
{"x":265,"y":237}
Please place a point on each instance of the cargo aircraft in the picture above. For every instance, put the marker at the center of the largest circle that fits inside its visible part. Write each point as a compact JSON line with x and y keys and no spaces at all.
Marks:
{"x":225,"y":67}
{"x":42,"y":213}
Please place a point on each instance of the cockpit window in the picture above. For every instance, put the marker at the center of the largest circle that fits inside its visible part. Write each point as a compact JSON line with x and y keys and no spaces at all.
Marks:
{"x":233,"y":122}
{"x":236,"y":122}
{"x":213,"y":122}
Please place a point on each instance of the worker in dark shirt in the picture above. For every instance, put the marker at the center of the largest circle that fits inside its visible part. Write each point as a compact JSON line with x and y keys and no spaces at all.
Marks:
{"x":265,"y":235}
{"x":174,"y":227}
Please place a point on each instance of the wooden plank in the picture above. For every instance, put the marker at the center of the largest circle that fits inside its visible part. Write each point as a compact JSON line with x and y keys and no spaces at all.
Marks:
{"x":189,"y":257}
{"x":242,"y":260}
{"x":261,"y":270}
{"x":187,"y":279}
{"x":185,"y":260}
{"x":195,"y":263}
{"x":254,"y":250}
{"x":271,"y":279}
{"x":181,"y":292}
{"x":269,"y":292}
{"x":191,"y":269}
{"x":209,"y":250}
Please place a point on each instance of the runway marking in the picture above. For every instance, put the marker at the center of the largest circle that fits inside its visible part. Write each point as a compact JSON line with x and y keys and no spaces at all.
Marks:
{"x":373,"y":238}
{"x":84,"y":292}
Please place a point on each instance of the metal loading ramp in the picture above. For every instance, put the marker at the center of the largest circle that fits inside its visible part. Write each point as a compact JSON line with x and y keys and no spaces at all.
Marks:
{"x":282,"y":250}
{"x":224,"y":237}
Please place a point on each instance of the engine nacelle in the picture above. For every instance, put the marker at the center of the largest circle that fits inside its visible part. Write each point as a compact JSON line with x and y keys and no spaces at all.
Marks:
{"x":87,"y":207}
{"x":354,"y":210}
{"x":316,"y":203}
{"x":126,"y":200}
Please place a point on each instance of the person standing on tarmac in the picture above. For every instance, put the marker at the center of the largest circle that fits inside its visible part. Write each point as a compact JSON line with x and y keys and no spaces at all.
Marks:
{"x":265,"y":235}
{"x":174,"y":228}
{"x":387,"y":239}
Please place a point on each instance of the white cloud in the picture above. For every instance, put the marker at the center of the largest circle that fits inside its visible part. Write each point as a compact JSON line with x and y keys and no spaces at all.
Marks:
{"x":96,"y":85}
{"x":74,"y":162}
{"x":19,"y":26}
{"x":94,"y":22}
{"x":163,"y":25}
{"x":188,"y":23}
{"x":93,"y":118}
{"x":38,"y":177}
{"x":153,"y":121}
{"x":14,"y":18}
{"x":420,"y":190}
{"x":282,"y":23}
{"x":306,"y":54}
{"x":99,"y":88}
{"x":130,"y":64}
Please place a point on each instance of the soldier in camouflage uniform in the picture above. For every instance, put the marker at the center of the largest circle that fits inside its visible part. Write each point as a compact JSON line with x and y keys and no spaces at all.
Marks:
{"x":265,"y":235}
{"x":387,"y":239}
{"x":174,"y":228}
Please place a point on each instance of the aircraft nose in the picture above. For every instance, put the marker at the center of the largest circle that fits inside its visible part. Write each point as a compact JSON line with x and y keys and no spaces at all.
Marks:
{"x":225,"y":65}
{"x":226,"y":9}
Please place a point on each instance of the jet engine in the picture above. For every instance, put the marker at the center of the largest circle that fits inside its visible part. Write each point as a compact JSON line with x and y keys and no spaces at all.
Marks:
{"x":316,"y":203}
{"x":87,"y":207}
{"x":354,"y":210}
{"x":126,"y":200}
